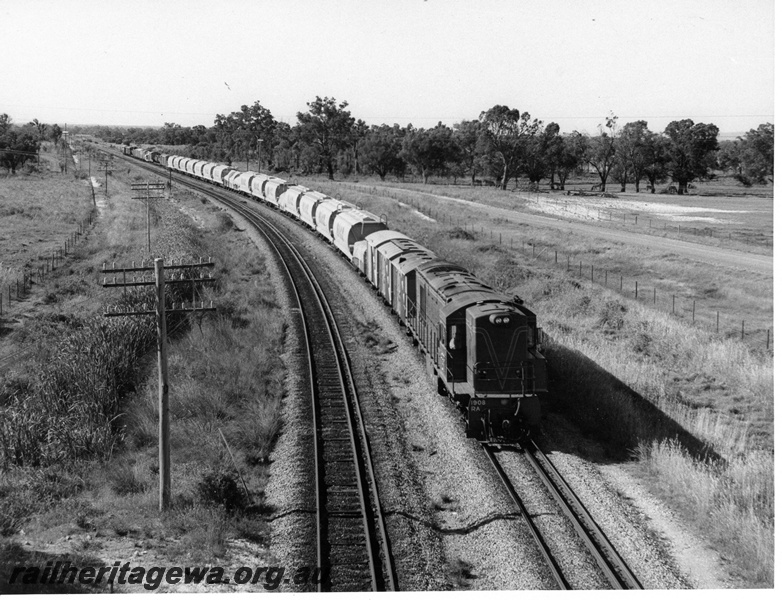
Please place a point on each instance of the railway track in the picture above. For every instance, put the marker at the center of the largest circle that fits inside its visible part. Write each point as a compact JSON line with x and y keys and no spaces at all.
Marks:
{"x":353,"y":552}
{"x":611,"y":564}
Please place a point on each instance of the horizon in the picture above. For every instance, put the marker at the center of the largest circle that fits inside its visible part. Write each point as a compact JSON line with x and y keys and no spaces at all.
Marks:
{"x":404,"y":62}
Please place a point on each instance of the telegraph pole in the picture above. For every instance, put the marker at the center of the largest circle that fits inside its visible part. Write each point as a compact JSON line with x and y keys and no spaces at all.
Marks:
{"x":160,"y":312}
{"x":148,"y":187}
{"x":107,"y":166}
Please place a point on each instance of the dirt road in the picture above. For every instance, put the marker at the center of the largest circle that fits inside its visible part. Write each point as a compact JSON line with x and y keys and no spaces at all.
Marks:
{"x":719,"y":257}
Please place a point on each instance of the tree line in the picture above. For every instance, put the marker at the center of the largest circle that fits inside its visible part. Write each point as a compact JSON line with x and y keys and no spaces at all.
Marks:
{"x":501,"y":145}
{"x":20,"y":144}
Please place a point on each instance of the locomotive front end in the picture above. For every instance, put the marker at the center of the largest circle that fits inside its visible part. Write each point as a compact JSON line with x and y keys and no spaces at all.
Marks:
{"x":505,"y":370}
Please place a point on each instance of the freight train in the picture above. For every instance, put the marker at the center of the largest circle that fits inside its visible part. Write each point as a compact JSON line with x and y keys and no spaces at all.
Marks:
{"x":481,"y":346}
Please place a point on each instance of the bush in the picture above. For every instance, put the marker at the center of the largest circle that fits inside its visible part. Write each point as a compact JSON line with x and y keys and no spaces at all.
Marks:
{"x":221,"y":489}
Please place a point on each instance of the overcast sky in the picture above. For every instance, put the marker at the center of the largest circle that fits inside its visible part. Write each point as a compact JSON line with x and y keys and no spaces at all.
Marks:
{"x":144,"y":62}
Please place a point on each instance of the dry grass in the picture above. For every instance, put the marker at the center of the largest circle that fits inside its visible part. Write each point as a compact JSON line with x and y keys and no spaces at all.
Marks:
{"x":225,"y":373}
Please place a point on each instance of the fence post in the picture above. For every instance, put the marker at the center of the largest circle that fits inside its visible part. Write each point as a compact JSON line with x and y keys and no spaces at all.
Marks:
{"x":605,"y":283}
{"x":636,"y":219}
{"x":621,"y":281}
{"x":568,"y":262}
{"x":673,"y":304}
{"x":693,"y":311}
{"x":742,"y":330}
{"x":556,"y":259}
{"x":768,"y":338}
{"x":718,"y":321}
{"x":579,"y":268}
{"x":593,"y":273}
{"x":636,"y":290}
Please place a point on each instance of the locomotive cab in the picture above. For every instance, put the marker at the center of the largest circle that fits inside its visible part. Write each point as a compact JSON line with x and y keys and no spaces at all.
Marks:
{"x":505,"y":370}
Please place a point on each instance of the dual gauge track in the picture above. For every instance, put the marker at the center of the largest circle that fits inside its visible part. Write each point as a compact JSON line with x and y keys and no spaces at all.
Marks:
{"x":353,"y":550}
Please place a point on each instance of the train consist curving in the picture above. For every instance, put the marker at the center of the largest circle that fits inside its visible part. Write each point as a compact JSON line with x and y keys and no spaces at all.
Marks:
{"x":481,"y":346}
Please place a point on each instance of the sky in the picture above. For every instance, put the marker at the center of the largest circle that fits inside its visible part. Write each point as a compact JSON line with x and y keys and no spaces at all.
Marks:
{"x":144,"y":62}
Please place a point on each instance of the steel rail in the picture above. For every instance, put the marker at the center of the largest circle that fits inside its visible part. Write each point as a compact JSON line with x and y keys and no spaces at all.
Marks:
{"x":359,"y":443}
{"x":545,"y":551}
{"x":608,"y":559}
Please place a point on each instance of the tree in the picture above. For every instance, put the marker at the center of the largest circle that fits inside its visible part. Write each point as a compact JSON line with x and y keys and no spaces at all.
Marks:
{"x":757,"y":153}
{"x":16,"y":146}
{"x":39,"y":127}
{"x":467,"y":136}
{"x":543,"y":154}
{"x":379,"y":150}
{"x":55,"y":133}
{"x":655,"y":159}
{"x":506,"y":136}
{"x":630,"y":157}
{"x":692,"y":150}
{"x":574,"y":151}
{"x":5,"y":123}
{"x":602,"y":151}
{"x":328,"y":128}
{"x":429,"y":150}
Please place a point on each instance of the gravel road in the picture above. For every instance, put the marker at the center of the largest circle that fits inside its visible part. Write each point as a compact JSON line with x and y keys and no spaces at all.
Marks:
{"x":719,"y":257}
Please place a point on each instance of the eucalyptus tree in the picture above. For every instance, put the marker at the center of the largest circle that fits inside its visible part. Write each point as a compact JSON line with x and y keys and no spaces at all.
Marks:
{"x":602,"y":150}
{"x":507,"y":135}
{"x":379,"y":150}
{"x":692,"y":150}
{"x":429,"y":150}
{"x":467,"y":136}
{"x":328,"y":128}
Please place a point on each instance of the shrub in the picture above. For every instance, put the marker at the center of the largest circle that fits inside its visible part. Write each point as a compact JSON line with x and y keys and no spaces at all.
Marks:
{"x":221,"y":489}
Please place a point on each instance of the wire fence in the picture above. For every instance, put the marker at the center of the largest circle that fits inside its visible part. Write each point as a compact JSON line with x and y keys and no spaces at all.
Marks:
{"x":15,"y":286}
{"x":684,"y":306}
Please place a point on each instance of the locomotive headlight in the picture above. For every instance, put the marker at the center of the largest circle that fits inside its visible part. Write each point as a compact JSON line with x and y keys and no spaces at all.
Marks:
{"x":504,"y":402}
{"x":518,"y":373}
{"x":499,"y":319}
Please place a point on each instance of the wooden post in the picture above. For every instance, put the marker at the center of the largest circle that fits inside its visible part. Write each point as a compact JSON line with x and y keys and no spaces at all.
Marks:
{"x":636,"y":290}
{"x":593,"y":273}
{"x":149,"y":237}
{"x":768,"y":338}
{"x":673,"y":304}
{"x":693,"y":310}
{"x":742,"y":330}
{"x":162,"y":362}
{"x":620,"y":282}
{"x":718,"y":321}
{"x":654,"y":298}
